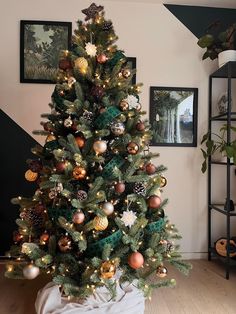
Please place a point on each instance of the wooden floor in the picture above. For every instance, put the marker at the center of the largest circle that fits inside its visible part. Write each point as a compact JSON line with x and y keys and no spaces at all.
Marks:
{"x":205,"y":291}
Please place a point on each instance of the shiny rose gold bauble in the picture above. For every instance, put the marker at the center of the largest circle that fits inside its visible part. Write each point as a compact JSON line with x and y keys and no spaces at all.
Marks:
{"x":102,"y":58}
{"x":150,"y":168}
{"x":132,"y":148}
{"x":108,"y":208}
{"x":124,"y":105}
{"x":161,"y":272}
{"x":154,"y":201}
{"x":65,"y":64}
{"x":100,"y":146}
{"x":126,"y":73}
{"x":64,"y":244}
{"x":61,"y":166}
{"x":78,"y":218}
{"x":135,"y":260}
{"x":140,"y":126}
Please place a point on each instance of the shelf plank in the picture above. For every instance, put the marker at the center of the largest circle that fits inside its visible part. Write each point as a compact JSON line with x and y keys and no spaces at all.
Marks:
{"x":221,"y":210}
{"x":224,"y":71}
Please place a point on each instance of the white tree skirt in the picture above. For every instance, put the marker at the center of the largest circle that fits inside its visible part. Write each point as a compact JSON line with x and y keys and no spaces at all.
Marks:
{"x":129,"y":300}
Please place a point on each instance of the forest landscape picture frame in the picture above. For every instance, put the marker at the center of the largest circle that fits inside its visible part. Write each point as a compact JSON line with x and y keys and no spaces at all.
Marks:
{"x":41,"y":43}
{"x":173,"y":116}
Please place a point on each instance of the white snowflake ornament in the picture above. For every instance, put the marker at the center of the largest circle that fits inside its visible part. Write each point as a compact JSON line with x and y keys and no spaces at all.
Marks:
{"x":91,"y":49}
{"x":133,"y":102}
{"x":128,"y":218}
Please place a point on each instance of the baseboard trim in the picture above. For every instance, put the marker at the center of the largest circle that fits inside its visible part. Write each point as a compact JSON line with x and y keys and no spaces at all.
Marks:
{"x":194,"y":255}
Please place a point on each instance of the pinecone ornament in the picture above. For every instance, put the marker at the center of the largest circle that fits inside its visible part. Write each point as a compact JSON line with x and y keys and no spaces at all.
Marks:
{"x":82,"y":195}
{"x":35,"y":216}
{"x":139,"y":188}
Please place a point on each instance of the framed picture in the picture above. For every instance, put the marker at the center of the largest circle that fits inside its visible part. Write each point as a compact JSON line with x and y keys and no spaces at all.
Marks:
{"x":131,"y":61}
{"x":173,"y":116}
{"x":41,"y":43}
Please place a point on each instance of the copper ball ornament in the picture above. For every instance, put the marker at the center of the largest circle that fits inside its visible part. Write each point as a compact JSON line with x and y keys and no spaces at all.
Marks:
{"x":100,"y":146}
{"x":61,"y":166}
{"x":136,"y":260}
{"x":17,"y":237}
{"x":78,"y":217}
{"x":65,"y":244}
{"x":79,"y":173}
{"x":80,"y":141}
{"x":108,"y":208}
{"x":154,"y":201}
{"x":44,"y":238}
{"x":50,"y":138}
{"x":132,"y":148}
{"x":102,"y":58}
{"x":140,"y":126}
{"x":150,"y":168}
{"x":163,"y":182}
{"x":161,"y":271}
{"x":31,"y":176}
{"x":126,"y":73}
{"x":100,"y":223}
{"x":124,"y":106}
{"x":107,"y":270}
{"x":119,"y":187}
{"x":30,"y":271}
{"x":65,"y":64}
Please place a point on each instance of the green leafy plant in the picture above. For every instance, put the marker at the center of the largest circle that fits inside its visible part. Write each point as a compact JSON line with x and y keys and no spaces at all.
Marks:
{"x":216,"y":42}
{"x":218,"y":144}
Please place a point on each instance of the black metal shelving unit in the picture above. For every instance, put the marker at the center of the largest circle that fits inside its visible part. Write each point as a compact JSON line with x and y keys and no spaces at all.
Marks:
{"x":228,"y":72}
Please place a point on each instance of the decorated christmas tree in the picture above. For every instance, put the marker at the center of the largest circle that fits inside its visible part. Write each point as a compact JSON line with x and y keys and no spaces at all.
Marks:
{"x":98,"y":208}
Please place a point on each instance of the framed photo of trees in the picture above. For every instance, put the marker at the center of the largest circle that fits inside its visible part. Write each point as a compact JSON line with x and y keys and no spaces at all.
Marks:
{"x":41,"y":43}
{"x":173,"y":116}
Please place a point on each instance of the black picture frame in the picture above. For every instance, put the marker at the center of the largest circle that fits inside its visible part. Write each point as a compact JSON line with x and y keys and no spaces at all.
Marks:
{"x":41,"y":43}
{"x":173,"y":116}
{"x":132,"y":63}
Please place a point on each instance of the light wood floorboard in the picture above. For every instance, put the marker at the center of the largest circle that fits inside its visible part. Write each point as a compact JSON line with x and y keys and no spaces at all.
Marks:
{"x":205,"y":291}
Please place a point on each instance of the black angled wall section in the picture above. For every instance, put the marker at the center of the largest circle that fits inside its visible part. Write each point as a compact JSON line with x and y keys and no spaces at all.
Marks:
{"x":197,"y":19}
{"x":16,"y":147}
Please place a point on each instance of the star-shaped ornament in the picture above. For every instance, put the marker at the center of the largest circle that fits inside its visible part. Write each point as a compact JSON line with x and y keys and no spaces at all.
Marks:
{"x":92,"y":11}
{"x":128,"y":218}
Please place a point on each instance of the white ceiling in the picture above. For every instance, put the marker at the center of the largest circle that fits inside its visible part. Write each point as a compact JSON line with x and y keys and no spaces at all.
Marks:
{"x":209,"y":3}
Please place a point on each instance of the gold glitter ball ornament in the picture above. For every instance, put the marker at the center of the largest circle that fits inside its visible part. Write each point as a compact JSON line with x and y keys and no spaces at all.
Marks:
{"x":81,"y":64}
{"x":79,"y":173}
{"x":108,"y":270}
{"x":100,"y":223}
{"x":31,"y":176}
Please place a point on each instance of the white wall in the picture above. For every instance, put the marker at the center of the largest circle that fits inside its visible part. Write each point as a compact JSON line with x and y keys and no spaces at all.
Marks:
{"x":167,"y":55}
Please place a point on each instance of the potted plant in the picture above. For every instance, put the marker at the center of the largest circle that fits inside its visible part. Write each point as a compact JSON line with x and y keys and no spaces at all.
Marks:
{"x":218,"y":144}
{"x":221,"y":45}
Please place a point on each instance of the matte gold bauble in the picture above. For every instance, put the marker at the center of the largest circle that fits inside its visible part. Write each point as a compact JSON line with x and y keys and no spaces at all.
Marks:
{"x":132,"y":148}
{"x":31,"y":176}
{"x":135,"y":260}
{"x":80,"y":141}
{"x":65,"y":244}
{"x":50,"y":138}
{"x":79,"y":173}
{"x":120,"y":187}
{"x":81,"y":64}
{"x":78,"y":217}
{"x":163,"y":182}
{"x":154,"y":201}
{"x":161,"y":272}
{"x":126,"y":73}
{"x":30,"y":271}
{"x":150,"y":168}
{"x":100,"y":223}
{"x":108,"y":270}
{"x":100,"y":146}
{"x":124,"y":105}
